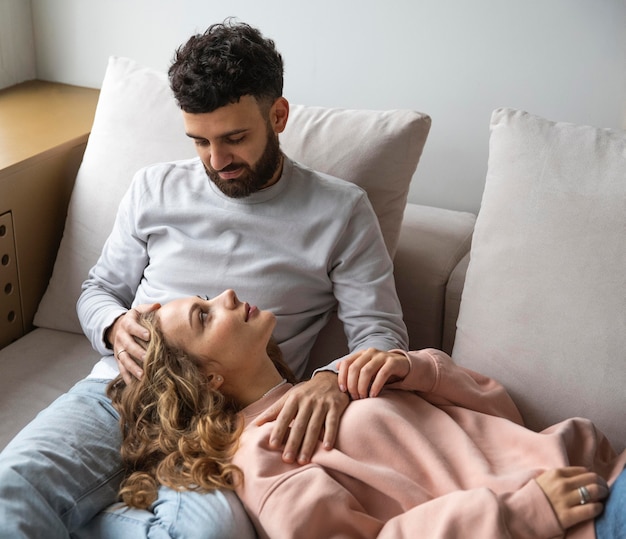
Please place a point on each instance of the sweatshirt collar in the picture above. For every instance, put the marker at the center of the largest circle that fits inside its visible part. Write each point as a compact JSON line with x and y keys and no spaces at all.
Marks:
{"x":252,"y":411}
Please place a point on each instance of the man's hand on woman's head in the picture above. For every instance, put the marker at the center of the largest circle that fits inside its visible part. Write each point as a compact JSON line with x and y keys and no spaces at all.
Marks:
{"x":307,"y":413}
{"x":364,"y":373}
{"x":121,"y":335}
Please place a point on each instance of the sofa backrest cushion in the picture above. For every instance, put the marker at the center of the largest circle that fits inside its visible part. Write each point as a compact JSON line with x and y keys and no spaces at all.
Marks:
{"x":137,"y":123}
{"x":544,"y":304}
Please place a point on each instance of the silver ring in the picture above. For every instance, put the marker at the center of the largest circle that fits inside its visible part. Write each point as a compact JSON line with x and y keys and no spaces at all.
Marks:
{"x":119,"y":352}
{"x":585,"y":497}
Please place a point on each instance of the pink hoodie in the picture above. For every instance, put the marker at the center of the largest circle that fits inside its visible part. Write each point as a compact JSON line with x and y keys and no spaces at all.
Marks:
{"x":441,"y":454}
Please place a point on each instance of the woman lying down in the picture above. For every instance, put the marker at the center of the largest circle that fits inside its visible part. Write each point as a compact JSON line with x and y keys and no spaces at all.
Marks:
{"x":435,"y":450}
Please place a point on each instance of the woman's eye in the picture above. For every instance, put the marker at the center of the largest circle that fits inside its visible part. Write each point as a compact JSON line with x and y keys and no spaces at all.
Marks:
{"x":203,"y":317}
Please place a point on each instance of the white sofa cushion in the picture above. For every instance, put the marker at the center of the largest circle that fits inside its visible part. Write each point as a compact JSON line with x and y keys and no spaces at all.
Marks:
{"x":30,"y":381}
{"x":377,"y":150}
{"x":544,"y":304}
{"x":137,"y":123}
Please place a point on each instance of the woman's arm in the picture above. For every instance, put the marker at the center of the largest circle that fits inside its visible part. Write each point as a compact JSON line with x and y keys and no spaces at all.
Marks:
{"x":430,"y":372}
{"x":311,"y":504}
{"x":562,"y":487}
{"x":479,"y":513}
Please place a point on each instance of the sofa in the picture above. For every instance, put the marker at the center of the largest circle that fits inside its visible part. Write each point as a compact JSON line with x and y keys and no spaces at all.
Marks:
{"x":532,"y":291}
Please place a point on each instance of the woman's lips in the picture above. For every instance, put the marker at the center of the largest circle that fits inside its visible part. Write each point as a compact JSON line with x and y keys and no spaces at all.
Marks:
{"x":250,"y":311}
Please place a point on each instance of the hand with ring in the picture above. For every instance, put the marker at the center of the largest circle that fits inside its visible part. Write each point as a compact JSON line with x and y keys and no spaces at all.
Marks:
{"x":122,"y":334}
{"x":585,"y":497}
{"x":575,"y":493}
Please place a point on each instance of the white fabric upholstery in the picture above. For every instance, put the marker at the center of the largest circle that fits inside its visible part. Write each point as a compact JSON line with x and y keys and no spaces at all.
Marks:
{"x":544,"y":304}
{"x":137,"y":123}
{"x":36,"y":369}
{"x":378,"y":150}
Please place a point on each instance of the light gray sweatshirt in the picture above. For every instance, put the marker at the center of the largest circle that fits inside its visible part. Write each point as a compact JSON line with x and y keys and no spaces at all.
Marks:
{"x":298,"y":248}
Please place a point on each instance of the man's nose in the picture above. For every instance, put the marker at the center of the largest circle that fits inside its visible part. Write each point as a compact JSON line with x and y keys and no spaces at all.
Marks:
{"x":220,"y":157}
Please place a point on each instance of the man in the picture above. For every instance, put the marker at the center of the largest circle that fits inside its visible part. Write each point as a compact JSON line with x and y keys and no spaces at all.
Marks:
{"x":241,"y":215}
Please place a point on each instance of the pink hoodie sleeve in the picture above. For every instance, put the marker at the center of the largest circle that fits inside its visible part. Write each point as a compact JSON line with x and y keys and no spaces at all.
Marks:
{"x":440,"y":381}
{"x":311,"y":504}
{"x":525,"y":514}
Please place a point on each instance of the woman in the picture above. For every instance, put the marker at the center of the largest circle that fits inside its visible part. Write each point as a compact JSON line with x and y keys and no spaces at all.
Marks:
{"x":440,"y":451}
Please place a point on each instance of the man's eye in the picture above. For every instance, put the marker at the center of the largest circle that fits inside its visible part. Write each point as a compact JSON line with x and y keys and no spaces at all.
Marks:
{"x":201,"y":142}
{"x":235,"y":141}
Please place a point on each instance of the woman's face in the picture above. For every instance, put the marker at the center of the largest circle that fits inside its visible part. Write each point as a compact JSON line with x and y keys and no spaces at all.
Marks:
{"x":221,"y":330}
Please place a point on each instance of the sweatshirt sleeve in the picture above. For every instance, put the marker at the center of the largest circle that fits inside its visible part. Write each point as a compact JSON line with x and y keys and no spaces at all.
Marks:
{"x":364,"y":286}
{"x":111,"y":285}
{"x":311,"y":504}
{"x":525,"y":514}
{"x":440,"y":381}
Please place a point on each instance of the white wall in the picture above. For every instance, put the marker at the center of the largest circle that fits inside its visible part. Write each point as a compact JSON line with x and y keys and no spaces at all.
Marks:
{"x":456,"y":60}
{"x":17,"y":51}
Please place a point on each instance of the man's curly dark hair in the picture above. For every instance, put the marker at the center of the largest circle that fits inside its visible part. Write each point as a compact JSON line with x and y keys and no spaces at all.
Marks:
{"x":228,"y":61}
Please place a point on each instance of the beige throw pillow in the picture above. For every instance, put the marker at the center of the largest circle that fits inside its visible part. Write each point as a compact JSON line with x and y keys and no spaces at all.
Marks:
{"x":544,"y":304}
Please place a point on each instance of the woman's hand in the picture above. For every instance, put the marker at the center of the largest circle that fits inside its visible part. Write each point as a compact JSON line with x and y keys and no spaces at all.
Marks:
{"x":305,"y":413}
{"x":561,"y":486}
{"x":121,"y":335}
{"x":364,"y":373}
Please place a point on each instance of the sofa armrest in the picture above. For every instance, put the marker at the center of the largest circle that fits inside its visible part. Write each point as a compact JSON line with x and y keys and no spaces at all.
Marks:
{"x":454,"y":291}
{"x":432,"y":243}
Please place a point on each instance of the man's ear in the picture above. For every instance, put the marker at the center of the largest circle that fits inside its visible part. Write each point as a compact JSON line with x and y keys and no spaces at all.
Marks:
{"x":279,"y":114}
{"x":215,"y":380}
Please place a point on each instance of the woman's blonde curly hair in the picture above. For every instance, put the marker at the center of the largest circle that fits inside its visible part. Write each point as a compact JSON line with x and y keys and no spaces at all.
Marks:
{"x":177,"y":430}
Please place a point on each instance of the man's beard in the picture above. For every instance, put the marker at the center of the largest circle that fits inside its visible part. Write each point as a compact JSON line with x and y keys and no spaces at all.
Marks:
{"x":252,"y":179}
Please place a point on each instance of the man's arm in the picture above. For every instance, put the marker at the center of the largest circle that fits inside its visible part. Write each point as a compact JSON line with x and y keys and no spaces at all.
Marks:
{"x":121,"y":335}
{"x":364,"y":374}
{"x":368,"y":305}
{"x":108,"y":292}
{"x":307,"y":412}
{"x":364,"y":285}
